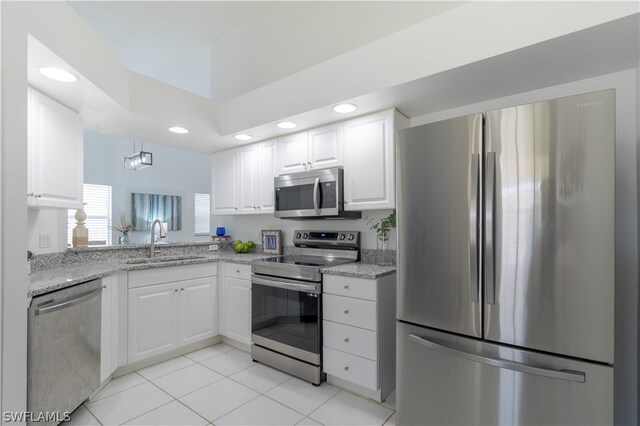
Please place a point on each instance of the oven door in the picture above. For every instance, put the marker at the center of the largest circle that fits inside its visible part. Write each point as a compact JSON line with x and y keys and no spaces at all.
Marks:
{"x":285,"y":317}
{"x":308,"y":195}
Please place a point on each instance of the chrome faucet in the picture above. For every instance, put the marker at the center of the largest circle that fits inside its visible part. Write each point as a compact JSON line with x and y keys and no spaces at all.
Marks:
{"x":163,"y":234}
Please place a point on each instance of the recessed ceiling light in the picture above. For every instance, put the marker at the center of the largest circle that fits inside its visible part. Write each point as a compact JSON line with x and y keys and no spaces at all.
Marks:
{"x":58,"y":74}
{"x":286,"y":124}
{"x":243,"y":137}
{"x":345,"y":108}
{"x":178,"y":129}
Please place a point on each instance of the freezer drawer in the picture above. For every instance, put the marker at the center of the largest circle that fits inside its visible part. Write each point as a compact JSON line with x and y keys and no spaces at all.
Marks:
{"x":448,"y":379}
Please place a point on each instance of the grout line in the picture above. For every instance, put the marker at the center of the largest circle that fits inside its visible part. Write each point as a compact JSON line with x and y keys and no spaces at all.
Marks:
{"x":170,"y":359}
{"x":387,"y":419}
{"x":323,"y":404}
{"x":92,"y":415}
{"x":160,"y":406}
{"x":125,"y":389}
{"x":238,"y":407}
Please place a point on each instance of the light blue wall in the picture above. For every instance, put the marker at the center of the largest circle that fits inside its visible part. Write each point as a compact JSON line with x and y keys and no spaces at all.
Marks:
{"x":174,"y":172}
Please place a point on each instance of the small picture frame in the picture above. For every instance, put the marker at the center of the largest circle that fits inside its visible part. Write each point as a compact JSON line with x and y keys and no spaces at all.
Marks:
{"x":272,"y":241}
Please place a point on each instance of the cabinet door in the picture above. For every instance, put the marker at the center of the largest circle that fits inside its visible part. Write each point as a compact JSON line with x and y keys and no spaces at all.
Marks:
{"x":238,"y":309}
{"x":153,"y":320}
{"x":106,"y":329}
{"x":198,"y":310}
{"x":55,"y":146}
{"x":369,"y":162}
{"x":247,"y":175}
{"x":292,"y":151}
{"x":224,"y":176}
{"x":267,"y":170}
{"x":325,"y":146}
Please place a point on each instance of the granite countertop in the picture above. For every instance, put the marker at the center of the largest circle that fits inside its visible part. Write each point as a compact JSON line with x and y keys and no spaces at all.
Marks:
{"x":360,"y":270}
{"x":56,"y":277}
{"x":53,"y":278}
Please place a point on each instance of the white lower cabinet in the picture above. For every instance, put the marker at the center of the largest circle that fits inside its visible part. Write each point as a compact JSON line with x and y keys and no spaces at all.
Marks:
{"x":359,"y":334}
{"x":163,"y":317}
{"x":235,"y":309}
{"x":109,"y":327}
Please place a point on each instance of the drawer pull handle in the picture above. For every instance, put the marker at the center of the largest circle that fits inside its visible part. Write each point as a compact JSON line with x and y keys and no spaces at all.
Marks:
{"x":346,"y":312}
{"x":346,"y":340}
{"x":346,"y":368}
{"x":346,"y":287}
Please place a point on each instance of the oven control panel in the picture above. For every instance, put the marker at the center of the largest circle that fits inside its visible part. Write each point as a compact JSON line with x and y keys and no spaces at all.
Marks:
{"x":326,"y":238}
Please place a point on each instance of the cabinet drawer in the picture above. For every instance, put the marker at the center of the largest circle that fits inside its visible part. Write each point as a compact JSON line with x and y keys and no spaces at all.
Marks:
{"x":145,"y":277}
{"x":351,"y":287}
{"x":350,"y":311}
{"x":352,"y":340}
{"x":236,"y":270}
{"x":349,"y":367}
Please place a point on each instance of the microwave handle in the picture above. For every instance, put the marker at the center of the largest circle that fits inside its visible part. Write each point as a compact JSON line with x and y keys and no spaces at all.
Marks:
{"x":316,"y":196}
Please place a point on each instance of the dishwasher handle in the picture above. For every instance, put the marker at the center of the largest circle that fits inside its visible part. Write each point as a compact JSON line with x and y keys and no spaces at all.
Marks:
{"x":68,"y":303}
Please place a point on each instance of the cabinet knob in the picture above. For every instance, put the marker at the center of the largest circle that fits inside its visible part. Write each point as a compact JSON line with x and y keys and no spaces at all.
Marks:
{"x":182,"y":289}
{"x":175,"y":290}
{"x":346,"y":312}
{"x":310,"y":165}
{"x":346,"y":340}
{"x":346,"y":287}
{"x":346,"y":368}
{"x":104,"y":286}
{"x":237,"y":271}
{"x":258,"y":207}
{"x":235,"y":208}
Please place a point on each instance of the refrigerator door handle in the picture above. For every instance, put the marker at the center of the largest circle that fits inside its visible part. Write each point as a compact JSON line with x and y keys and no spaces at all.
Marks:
{"x":473,"y":226}
{"x":489,"y":202}
{"x":574,"y":376}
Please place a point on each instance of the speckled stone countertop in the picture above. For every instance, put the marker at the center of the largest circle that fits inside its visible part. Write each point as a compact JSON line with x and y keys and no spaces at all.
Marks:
{"x":52,"y":278}
{"x":55,"y":276}
{"x":360,"y":270}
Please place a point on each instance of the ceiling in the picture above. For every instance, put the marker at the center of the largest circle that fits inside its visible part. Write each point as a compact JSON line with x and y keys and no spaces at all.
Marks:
{"x":222,"y":49}
{"x":429,"y":66}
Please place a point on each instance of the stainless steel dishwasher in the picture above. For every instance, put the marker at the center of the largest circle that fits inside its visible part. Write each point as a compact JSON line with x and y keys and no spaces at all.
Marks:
{"x":63,"y":361}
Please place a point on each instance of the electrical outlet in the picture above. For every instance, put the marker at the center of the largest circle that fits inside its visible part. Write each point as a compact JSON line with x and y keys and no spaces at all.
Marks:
{"x":213,"y":247}
{"x":45,"y":241}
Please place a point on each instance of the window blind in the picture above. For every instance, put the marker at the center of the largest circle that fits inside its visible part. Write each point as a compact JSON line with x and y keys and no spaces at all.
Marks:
{"x":202,"y":214}
{"x":97,"y":200}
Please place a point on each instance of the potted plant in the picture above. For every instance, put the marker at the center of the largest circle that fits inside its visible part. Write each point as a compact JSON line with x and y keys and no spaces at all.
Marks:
{"x":383,"y":230}
{"x":29,"y":256}
{"x":124,"y":227}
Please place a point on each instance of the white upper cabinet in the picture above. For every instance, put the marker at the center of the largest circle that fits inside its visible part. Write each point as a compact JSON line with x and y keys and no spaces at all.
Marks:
{"x":224,"y":175}
{"x":55,"y":146}
{"x":267,"y":170}
{"x":316,"y":149}
{"x":293,"y":153}
{"x":369,"y":160}
{"x":325,"y":146}
{"x":247,"y":178}
{"x":243,"y":179}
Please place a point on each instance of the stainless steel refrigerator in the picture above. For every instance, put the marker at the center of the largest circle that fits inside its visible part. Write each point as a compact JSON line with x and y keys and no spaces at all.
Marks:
{"x":506,"y":266}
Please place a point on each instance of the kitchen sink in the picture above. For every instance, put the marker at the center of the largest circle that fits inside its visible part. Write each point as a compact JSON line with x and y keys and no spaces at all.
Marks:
{"x":161,"y":259}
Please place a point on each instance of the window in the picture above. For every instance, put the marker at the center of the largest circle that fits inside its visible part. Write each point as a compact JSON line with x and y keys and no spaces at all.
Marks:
{"x":97,"y":200}
{"x":202,"y":212}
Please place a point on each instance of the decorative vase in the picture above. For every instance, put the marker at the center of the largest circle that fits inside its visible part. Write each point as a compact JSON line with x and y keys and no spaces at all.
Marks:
{"x":80,"y":234}
{"x":125,"y":238}
{"x":383,"y":254}
{"x":220,"y":231}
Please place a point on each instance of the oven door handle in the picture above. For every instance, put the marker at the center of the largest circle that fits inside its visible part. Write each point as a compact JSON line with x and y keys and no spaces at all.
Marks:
{"x":286,"y":284}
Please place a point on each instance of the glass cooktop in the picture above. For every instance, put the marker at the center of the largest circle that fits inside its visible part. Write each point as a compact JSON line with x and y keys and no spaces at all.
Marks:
{"x":305,"y":260}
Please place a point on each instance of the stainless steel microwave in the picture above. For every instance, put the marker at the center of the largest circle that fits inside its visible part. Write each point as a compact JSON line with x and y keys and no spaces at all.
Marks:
{"x":314,"y":194}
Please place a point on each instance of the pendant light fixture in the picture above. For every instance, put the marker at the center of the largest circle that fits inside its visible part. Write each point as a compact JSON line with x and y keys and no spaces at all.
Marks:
{"x":139,"y":160}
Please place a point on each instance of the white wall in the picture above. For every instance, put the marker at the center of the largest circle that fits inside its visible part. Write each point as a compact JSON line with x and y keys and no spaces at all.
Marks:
{"x":174,"y":172}
{"x":247,"y":227}
{"x":626,"y":84}
{"x":51,"y":222}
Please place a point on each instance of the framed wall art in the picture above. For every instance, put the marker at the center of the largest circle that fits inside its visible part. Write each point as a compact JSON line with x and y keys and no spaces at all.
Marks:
{"x":272,"y":241}
{"x":149,"y":207}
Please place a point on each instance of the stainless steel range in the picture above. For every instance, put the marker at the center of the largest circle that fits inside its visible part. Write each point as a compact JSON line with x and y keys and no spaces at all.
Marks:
{"x":286,"y":301}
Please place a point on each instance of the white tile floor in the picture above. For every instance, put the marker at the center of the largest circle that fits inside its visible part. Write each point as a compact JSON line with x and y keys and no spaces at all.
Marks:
{"x":220,"y":385}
